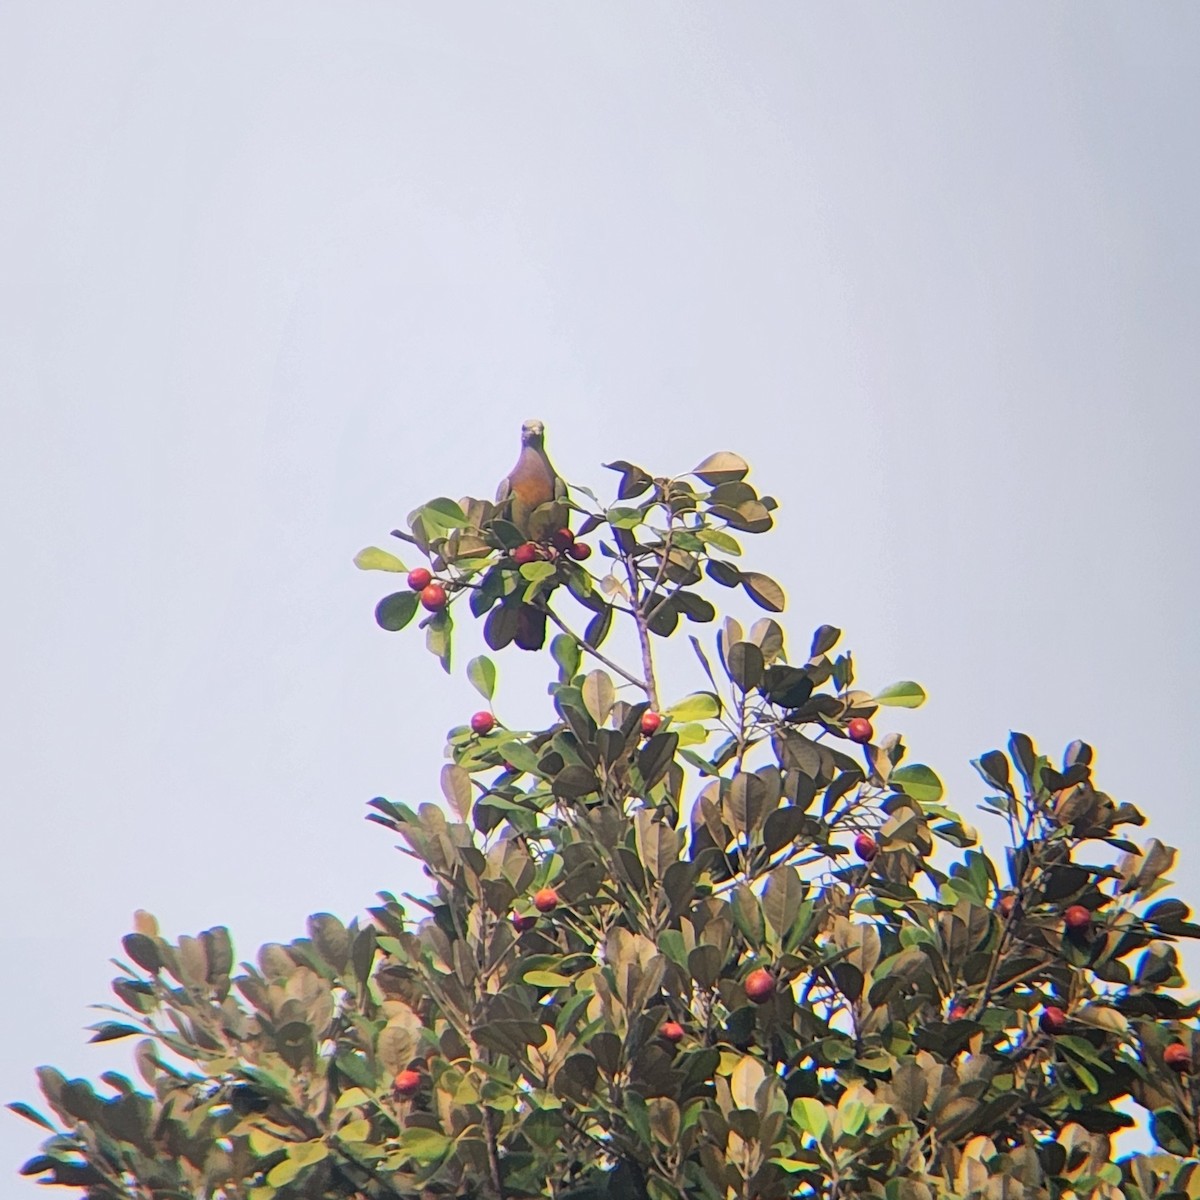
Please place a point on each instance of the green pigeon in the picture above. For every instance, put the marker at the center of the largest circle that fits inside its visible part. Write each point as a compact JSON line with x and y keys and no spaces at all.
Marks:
{"x":532,"y":483}
{"x":528,"y":497}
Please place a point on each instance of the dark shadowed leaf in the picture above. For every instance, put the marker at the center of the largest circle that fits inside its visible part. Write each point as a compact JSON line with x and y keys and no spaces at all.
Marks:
{"x":634,"y":480}
{"x":745,"y":665}
{"x":397,"y":610}
{"x":501,"y":626}
{"x":824,"y":640}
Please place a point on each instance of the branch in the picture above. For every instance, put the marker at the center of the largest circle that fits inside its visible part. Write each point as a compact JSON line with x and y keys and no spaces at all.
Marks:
{"x":584,"y":645}
{"x":643,"y":628}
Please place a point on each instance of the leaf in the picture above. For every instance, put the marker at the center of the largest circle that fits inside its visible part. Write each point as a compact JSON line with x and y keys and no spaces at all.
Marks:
{"x":905,"y":694}
{"x":481,"y":671}
{"x":918,"y":781}
{"x":745,"y":1081}
{"x":764,"y":591}
{"x":699,"y":706}
{"x":720,"y":539}
{"x":395,"y":611}
{"x":1171,"y":1132}
{"x":443,"y":514}
{"x":424,"y":1145}
{"x":781,"y":898}
{"x":722,"y":467}
{"x":30,"y":1114}
{"x":726,"y":574}
{"x":546,"y":979}
{"x":437,"y":637}
{"x":598,"y":627}
{"x":143,"y":950}
{"x":456,"y":787}
{"x":565,"y":651}
{"x":374,"y":559}
{"x":110,"y":1031}
{"x":599,"y":696}
{"x":634,"y":481}
{"x":501,"y":626}
{"x":811,"y":1116}
{"x":656,"y":756}
{"x":745,"y":665}
{"x":824,"y":640}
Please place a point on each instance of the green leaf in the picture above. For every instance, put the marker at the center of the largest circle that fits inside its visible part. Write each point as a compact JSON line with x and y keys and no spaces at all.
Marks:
{"x":720,"y":540}
{"x":905,"y":694}
{"x":425,"y":1145}
{"x":481,"y":671}
{"x":624,"y":518}
{"x":811,"y":1116}
{"x":549,"y":979}
{"x":437,"y":637}
{"x":565,"y":651}
{"x":918,"y":781}
{"x":374,"y":559}
{"x":699,"y":706}
{"x":1171,"y":1132}
{"x":395,"y":611}
{"x":443,"y":514}
{"x":535,"y":572}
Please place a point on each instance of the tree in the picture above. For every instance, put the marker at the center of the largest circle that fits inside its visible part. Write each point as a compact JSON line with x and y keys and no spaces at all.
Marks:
{"x":681,"y":942}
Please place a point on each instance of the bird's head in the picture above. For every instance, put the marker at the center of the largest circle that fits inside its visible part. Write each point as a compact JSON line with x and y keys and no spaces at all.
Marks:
{"x":532,"y":433}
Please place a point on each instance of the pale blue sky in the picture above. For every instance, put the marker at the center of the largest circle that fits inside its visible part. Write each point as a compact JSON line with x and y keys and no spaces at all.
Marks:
{"x":270,"y":275}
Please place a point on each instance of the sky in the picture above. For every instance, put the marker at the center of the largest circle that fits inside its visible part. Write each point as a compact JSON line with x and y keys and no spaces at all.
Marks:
{"x":273,"y":275}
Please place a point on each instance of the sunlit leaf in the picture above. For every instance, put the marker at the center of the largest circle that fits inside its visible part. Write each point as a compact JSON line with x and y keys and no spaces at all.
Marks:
{"x":918,"y":781}
{"x":905,"y":694}
{"x":374,"y":559}
{"x":481,"y":671}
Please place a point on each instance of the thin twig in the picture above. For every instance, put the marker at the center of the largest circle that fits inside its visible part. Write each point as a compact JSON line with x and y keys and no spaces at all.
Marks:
{"x":585,"y":645}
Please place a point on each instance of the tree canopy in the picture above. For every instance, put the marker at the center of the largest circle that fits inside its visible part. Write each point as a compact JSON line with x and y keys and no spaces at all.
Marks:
{"x":708,"y":937}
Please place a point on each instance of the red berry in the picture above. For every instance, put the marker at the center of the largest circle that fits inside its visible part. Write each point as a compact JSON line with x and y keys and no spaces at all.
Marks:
{"x":860,"y":730}
{"x":433,"y":597}
{"x":580,"y":550}
{"x":760,"y":985}
{"x":407,"y":1083}
{"x":865,"y":847}
{"x":650,"y":723}
{"x":522,"y":924}
{"x":1053,"y":1020}
{"x":483,"y":722}
{"x":545,"y":900}
{"x":419,"y":579}
{"x":1178,"y":1057}
{"x":958,"y":1011}
{"x":1077,"y":919}
{"x":1006,"y":904}
{"x":672,"y":1031}
{"x":527,"y":552}
{"x":562,"y":540}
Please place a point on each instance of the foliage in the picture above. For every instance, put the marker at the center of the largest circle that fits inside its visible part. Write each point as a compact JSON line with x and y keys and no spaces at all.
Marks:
{"x":602,"y":1043}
